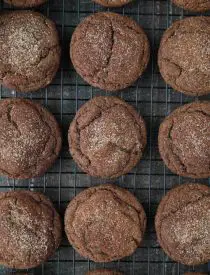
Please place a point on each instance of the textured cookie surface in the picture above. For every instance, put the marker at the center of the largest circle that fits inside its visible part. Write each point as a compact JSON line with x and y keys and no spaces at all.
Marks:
{"x":30,"y":138}
{"x":30,"y":229}
{"x":182,"y":224}
{"x":29,"y":50}
{"x":103,"y":272}
{"x":25,"y":3}
{"x":107,"y":137}
{"x":105,"y":223}
{"x":193,"y":5}
{"x":183,"y":56}
{"x":112,"y":3}
{"x":109,"y":51}
{"x":184,"y":140}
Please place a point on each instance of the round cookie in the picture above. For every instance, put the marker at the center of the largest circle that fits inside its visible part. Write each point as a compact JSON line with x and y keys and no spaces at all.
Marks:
{"x":25,"y":3}
{"x":107,"y":137}
{"x":112,"y":3}
{"x":109,"y":51}
{"x":103,"y":272}
{"x":29,"y":50}
{"x":193,"y":5}
{"x":183,"y":56}
{"x":30,"y":138}
{"x":105,"y":223}
{"x":184,"y":142}
{"x":30,"y":229}
{"x":182,"y":224}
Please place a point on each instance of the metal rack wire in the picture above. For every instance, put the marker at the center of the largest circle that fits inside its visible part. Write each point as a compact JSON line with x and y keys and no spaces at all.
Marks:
{"x":152,"y":98}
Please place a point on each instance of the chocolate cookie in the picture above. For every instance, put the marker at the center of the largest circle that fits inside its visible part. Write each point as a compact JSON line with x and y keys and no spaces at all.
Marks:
{"x":183,"y":55}
{"x":112,"y":3}
{"x":30,"y":139}
{"x":182,"y":224}
{"x":105,"y":223}
{"x":25,"y":3}
{"x":184,"y":142}
{"x":193,"y":5}
{"x":30,"y":229}
{"x":29,"y":50}
{"x":103,"y":272}
{"x":109,"y":51}
{"x":107,"y":137}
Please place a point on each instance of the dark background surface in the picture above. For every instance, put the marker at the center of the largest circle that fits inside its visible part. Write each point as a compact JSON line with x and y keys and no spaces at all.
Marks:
{"x":152,"y":98}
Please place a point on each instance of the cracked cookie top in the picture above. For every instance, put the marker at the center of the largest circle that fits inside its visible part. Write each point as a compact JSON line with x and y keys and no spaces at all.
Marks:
{"x":109,"y":51}
{"x":25,"y":3}
{"x":30,"y":229}
{"x":184,"y":56}
{"x":184,"y":140}
{"x":103,"y":272}
{"x":193,"y":5}
{"x":29,"y":50}
{"x":30,"y":138}
{"x":112,"y":3}
{"x":107,"y":137}
{"x":182,"y":223}
{"x":105,"y":223}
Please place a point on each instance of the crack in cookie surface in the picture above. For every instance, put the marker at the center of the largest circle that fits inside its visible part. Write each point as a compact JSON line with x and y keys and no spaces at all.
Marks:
{"x":110,"y":230}
{"x":30,"y":229}
{"x":30,"y":138}
{"x":184,"y":140}
{"x":107,"y":137}
{"x":30,"y":50}
{"x":183,"y":56}
{"x":182,"y":223}
{"x":109,"y":51}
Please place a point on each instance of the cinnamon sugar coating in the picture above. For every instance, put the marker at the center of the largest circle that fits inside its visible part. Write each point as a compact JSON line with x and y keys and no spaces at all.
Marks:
{"x":193,"y":5}
{"x":183,"y":55}
{"x":107,"y":137}
{"x":30,"y":138}
{"x":184,"y":140}
{"x":112,"y":3}
{"x":105,"y":223}
{"x":182,"y":224}
{"x":29,"y":50}
{"x":30,"y":229}
{"x":109,"y":51}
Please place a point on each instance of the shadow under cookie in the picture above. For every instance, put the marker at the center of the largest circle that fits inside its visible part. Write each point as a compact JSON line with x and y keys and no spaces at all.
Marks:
{"x":25,"y":3}
{"x":103,"y":272}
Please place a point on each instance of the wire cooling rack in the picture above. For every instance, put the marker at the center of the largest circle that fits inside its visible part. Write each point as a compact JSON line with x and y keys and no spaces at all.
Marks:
{"x":152,"y":98}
